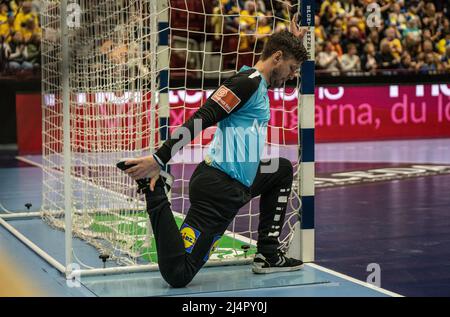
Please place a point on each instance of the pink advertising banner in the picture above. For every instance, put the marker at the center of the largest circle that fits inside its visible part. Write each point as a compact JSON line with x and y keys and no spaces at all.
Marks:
{"x":349,"y":113}
{"x":382,"y":112}
{"x":346,"y":113}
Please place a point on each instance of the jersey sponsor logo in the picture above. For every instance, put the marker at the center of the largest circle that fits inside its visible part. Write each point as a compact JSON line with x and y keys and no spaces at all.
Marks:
{"x":208,"y":160}
{"x":226,"y":98}
{"x":189,"y":236}
{"x":213,"y":248}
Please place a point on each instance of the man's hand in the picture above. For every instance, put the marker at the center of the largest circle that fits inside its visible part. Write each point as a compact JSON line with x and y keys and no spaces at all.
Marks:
{"x":294,"y":28}
{"x":145,"y":167}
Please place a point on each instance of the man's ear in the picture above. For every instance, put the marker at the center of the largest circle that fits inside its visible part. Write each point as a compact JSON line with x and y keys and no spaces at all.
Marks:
{"x":277,"y":56}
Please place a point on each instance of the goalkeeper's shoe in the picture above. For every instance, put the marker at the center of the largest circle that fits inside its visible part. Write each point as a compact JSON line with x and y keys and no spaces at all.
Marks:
{"x":165,"y":179}
{"x":277,"y":262}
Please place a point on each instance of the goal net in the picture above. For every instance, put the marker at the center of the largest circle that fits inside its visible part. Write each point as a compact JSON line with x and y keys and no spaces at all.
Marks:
{"x":121,"y":79}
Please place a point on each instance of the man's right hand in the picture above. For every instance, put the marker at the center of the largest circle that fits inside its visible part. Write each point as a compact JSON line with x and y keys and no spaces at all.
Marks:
{"x":146,"y":167}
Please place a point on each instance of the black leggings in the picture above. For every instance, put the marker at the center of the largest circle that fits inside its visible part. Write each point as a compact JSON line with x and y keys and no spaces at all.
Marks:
{"x":215,"y":200}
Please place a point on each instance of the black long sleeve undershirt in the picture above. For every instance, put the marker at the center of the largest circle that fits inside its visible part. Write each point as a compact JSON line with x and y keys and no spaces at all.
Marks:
{"x":212,"y":112}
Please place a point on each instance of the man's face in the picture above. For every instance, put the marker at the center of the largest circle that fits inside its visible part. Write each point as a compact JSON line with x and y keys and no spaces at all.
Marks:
{"x":283,"y":70}
{"x":390,"y":33}
{"x":427,"y":46}
{"x":27,"y":7}
{"x":354,"y":32}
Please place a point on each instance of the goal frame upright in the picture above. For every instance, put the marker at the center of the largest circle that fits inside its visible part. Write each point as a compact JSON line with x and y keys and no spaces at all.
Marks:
{"x":306,"y":134}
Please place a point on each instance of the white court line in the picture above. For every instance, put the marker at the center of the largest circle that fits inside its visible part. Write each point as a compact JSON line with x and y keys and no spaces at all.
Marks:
{"x":312,"y":265}
{"x":353,"y":280}
{"x":424,"y":151}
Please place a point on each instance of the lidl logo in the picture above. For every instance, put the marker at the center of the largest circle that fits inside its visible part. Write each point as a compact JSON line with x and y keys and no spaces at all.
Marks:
{"x":213,"y":248}
{"x":189,"y":236}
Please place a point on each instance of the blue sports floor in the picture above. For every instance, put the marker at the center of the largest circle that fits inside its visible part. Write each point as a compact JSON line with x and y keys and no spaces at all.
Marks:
{"x":400,"y":224}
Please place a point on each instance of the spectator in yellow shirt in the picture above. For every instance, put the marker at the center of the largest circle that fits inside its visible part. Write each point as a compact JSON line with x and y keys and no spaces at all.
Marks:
{"x":358,"y":20}
{"x":263,"y":30}
{"x":224,"y":19}
{"x":443,"y":44}
{"x":29,"y":29}
{"x":335,"y":7}
{"x":245,"y":38}
{"x":394,"y":43}
{"x":23,"y":15}
{"x":217,"y":19}
{"x":396,"y":17}
{"x":319,"y":31}
{"x":248,"y":16}
{"x":4,"y":24}
{"x":14,"y":6}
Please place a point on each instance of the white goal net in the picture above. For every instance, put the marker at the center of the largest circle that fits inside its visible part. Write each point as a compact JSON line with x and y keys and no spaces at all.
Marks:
{"x":136,"y":70}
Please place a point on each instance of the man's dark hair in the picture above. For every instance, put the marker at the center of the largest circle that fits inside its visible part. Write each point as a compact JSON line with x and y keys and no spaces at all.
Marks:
{"x":288,"y":43}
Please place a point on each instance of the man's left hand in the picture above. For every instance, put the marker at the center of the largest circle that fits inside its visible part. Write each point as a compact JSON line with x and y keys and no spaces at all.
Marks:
{"x":295,"y":29}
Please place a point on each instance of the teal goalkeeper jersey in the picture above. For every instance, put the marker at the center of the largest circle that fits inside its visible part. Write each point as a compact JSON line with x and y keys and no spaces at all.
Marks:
{"x":239,"y":140}
{"x":240,"y":108}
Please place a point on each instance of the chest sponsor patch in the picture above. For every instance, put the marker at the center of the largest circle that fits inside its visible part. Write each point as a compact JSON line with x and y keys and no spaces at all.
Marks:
{"x":226,"y":98}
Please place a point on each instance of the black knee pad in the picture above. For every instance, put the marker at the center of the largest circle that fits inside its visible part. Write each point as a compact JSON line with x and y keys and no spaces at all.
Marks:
{"x":176,"y":277}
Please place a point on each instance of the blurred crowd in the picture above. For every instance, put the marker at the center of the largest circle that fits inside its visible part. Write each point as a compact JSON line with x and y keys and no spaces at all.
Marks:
{"x":411,"y":35}
{"x":20,"y":36}
{"x":253,"y":20}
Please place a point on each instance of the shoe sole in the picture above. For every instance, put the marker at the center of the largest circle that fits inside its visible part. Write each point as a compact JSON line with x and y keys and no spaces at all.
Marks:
{"x":268,"y":270}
